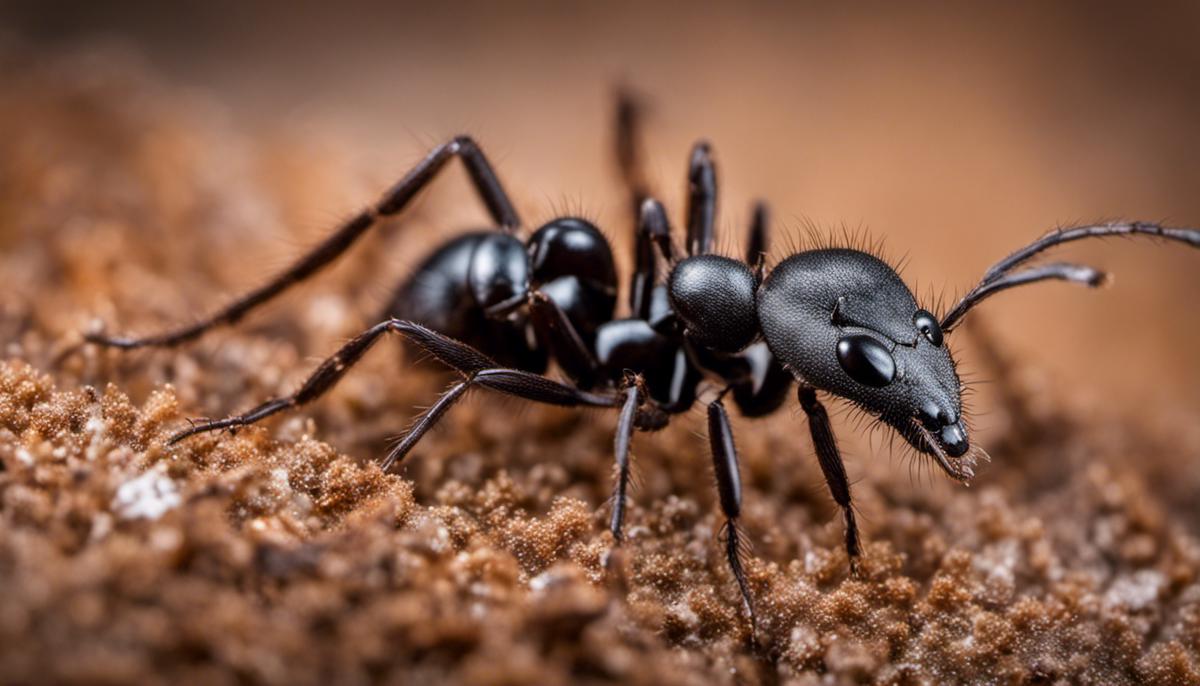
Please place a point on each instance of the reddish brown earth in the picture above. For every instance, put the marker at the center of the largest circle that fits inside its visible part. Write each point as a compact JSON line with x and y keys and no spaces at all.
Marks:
{"x":284,"y":555}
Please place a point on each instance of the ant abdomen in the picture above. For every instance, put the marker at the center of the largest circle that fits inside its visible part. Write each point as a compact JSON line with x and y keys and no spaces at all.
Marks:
{"x":438,"y":295}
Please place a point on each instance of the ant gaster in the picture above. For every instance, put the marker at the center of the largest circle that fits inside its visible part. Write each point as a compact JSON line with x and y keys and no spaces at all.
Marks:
{"x":497,"y":310}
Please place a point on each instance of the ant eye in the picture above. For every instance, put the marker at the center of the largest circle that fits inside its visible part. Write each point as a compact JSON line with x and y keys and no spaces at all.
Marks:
{"x":866,"y":360}
{"x":928,"y":325}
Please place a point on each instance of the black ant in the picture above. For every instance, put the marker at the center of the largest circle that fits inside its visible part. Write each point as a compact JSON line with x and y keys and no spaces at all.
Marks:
{"x":497,"y":310}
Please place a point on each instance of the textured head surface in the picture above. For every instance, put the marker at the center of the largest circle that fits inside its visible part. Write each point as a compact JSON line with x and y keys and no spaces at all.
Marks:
{"x":814,"y":299}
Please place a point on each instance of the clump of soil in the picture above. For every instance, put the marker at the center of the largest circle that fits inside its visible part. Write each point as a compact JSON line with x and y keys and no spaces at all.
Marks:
{"x":272,"y":556}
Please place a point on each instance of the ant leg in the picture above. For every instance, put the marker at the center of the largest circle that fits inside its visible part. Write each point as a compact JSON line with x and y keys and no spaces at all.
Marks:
{"x":641,"y":285}
{"x":729,"y":490}
{"x":764,"y":388}
{"x":624,"y":436}
{"x":392,"y":202}
{"x":652,"y":225}
{"x":326,"y":375}
{"x":757,"y":240}
{"x":562,"y":338}
{"x":702,"y":200}
{"x":514,"y":382}
{"x":627,"y":127}
{"x":479,"y":368}
{"x":653,"y":230}
{"x":425,"y":422}
{"x":831,"y":465}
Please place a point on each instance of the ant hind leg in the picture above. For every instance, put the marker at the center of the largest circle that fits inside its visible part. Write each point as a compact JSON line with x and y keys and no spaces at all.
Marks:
{"x":477,"y":368}
{"x":486,"y":183}
{"x":624,"y":435}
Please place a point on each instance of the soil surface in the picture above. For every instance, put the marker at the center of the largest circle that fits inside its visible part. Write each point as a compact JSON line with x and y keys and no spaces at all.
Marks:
{"x":283,"y":554}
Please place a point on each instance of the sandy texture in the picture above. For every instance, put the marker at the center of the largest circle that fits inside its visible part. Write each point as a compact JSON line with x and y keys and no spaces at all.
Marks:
{"x":274,"y":556}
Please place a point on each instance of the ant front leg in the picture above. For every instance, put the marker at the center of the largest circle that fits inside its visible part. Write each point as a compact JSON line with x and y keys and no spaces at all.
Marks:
{"x":831,"y":465}
{"x":486,"y":183}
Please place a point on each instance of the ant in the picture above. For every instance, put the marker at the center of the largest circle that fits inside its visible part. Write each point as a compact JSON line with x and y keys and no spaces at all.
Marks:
{"x":497,"y":310}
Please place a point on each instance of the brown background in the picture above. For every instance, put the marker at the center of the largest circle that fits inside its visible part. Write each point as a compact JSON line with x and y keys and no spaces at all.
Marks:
{"x":957,"y":133}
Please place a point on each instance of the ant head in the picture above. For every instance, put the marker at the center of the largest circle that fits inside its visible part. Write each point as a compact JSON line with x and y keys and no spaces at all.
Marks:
{"x":842,"y":320}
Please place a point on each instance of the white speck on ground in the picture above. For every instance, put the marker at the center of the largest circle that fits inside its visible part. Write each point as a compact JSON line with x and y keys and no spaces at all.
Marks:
{"x":148,"y":496}
{"x":1136,"y":592}
{"x":95,"y":428}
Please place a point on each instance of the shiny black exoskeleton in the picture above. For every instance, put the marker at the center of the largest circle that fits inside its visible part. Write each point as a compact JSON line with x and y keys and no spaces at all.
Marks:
{"x":484,"y":287}
{"x":498,"y":309}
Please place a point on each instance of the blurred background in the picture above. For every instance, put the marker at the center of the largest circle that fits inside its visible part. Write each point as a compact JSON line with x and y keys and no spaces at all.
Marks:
{"x":955,"y":132}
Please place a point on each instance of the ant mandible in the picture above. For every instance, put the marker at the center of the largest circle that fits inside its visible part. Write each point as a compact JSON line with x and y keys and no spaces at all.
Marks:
{"x":497,"y":310}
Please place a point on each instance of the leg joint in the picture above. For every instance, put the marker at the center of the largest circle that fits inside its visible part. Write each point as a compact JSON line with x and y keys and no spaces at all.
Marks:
{"x":462,"y":143}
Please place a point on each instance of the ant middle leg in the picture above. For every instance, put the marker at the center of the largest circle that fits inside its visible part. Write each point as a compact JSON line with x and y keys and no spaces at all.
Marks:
{"x":486,"y":183}
{"x":729,"y":491}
